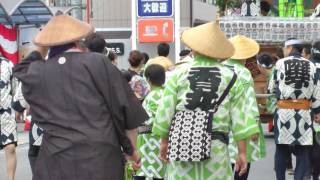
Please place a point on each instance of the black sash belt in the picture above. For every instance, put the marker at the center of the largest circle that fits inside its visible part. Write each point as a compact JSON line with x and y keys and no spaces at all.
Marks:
{"x":223,"y":137}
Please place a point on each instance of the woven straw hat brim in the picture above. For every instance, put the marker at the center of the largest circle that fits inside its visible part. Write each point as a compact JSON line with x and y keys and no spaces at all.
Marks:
{"x":245,"y":48}
{"x":62,"y":29}
{"x":162,"y":61}
{"x":208,"y":40}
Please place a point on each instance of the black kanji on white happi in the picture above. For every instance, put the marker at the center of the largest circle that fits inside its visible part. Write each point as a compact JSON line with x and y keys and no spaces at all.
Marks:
{"x":204,"y":83}
{"x":295,"y":78}
{"x":190,"y":130}
{"x":297,"y":73}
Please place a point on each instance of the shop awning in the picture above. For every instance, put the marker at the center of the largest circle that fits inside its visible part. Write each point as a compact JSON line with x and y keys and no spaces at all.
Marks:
{"x":27,"y":11}
{"x":4,"y":17}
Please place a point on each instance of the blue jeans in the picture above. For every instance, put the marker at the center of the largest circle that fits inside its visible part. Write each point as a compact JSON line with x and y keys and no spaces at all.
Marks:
{"x":283,"y":153}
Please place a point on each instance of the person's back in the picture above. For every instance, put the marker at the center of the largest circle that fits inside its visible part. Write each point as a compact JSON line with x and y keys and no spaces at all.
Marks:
{"x":296,"y":73}
{"x":71,"y":105}
{"x":68,"y":84}
{"x":246,"y":48}
{"x":163,"y":50}
{"x":202,"y":102}
{"x":181,"y":94}
{"x":84,"y":105}
{"x":296,"y":88}
{"x":8,"y":131}
{"x":148,"y":143}
{"x":137,"y":82}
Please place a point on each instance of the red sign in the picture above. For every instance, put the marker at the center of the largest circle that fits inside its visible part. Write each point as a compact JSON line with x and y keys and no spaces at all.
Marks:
{"x":155,"y":30}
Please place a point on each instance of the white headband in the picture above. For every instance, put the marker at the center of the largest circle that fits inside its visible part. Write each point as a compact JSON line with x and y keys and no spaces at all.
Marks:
{"x":265,"y":66}
{"x":293,"y":42}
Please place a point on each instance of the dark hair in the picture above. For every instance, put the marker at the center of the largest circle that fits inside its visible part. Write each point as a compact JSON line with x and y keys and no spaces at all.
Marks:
{"x":265,"y":59}
{"x":184,"y":52}
{"x":155,"y":74}
{"x":95,"y":43}
{"x":163,"y":49}
{"x":135,"y":58}
{"x":265,"y":6}
{"x":297,"y":48}
{"x":112,"y":56}
{"x":307,"y":48}
{"x":279,"y":53}
{"x":316,"y":46}
{"x":146,"y":57}
{"x":34,"y":55}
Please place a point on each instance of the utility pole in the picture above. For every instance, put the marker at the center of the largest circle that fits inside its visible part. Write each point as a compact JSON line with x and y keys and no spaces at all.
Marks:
{"x":133,"y":25}
{"x":177,"y":29}
{"x":77,"y":12}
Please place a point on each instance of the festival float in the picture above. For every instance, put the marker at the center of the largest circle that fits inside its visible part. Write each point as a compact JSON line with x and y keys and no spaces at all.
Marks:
{"x":289,"y":19}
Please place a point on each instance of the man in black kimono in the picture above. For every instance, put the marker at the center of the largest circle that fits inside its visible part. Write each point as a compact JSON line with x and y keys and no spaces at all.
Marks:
{"x":84,"y":105}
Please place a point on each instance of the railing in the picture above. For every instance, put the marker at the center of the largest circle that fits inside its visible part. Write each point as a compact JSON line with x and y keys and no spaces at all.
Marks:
{"x":271,"y":29}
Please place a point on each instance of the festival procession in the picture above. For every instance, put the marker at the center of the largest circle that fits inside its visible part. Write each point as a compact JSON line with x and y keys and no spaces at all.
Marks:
{"x":159,"y":89}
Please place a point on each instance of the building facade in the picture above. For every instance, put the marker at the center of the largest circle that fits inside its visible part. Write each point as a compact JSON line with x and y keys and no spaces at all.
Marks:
{"x":113,"y":20}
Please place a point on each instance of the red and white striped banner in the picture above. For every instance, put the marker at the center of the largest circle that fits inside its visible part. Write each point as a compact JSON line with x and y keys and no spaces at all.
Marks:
{"x":8,"y":43}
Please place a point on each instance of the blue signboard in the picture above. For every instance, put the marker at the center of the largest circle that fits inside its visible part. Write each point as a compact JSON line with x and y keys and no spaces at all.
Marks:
{"x":154,"y":8}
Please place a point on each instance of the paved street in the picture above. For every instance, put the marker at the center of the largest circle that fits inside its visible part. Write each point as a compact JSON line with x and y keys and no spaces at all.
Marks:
{"x":23,"y":168}
{"x":262,"y":170}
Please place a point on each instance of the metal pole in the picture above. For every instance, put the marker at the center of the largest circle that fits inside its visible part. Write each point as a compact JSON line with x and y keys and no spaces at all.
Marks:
{"x":77,"y":13}
{"x":177,"y":29}
{"x":191,"y":13}
{"x":133,"y":25}
{"x":88,"y":11}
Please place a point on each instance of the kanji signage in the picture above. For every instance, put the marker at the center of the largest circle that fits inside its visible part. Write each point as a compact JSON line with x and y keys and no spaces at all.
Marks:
{"x":155,"y":30}
{"x":155,"y":8}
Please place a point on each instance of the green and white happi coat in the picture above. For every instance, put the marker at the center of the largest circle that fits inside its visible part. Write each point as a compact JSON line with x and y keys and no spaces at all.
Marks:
{"x":230,"y":116}
{"x":255,"y":149}
{"x":149,"y":144}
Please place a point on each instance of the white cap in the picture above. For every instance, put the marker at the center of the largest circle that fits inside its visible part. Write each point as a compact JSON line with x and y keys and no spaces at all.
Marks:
{"x":293,"y":42}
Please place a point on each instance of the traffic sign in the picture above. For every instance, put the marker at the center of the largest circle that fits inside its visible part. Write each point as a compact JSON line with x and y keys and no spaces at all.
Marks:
{"x":155,"y":8}
{"x":155,"y":30}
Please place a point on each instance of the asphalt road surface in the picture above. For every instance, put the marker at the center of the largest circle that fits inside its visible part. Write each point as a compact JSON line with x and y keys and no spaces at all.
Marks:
{"x":261,"y":170}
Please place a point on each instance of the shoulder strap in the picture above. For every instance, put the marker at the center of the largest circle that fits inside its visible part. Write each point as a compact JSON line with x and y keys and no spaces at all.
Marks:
{"x":227,"y":90}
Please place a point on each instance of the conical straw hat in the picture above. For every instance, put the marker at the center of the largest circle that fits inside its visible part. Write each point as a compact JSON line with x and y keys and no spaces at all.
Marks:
{"x":208,"y":40}
{"x":62,"y":29}
{"x":245,"y":47}
{"x":162,"y":61}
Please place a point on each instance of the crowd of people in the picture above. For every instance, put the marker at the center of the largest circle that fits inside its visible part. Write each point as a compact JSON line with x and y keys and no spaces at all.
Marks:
{"x":196,"y":119}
